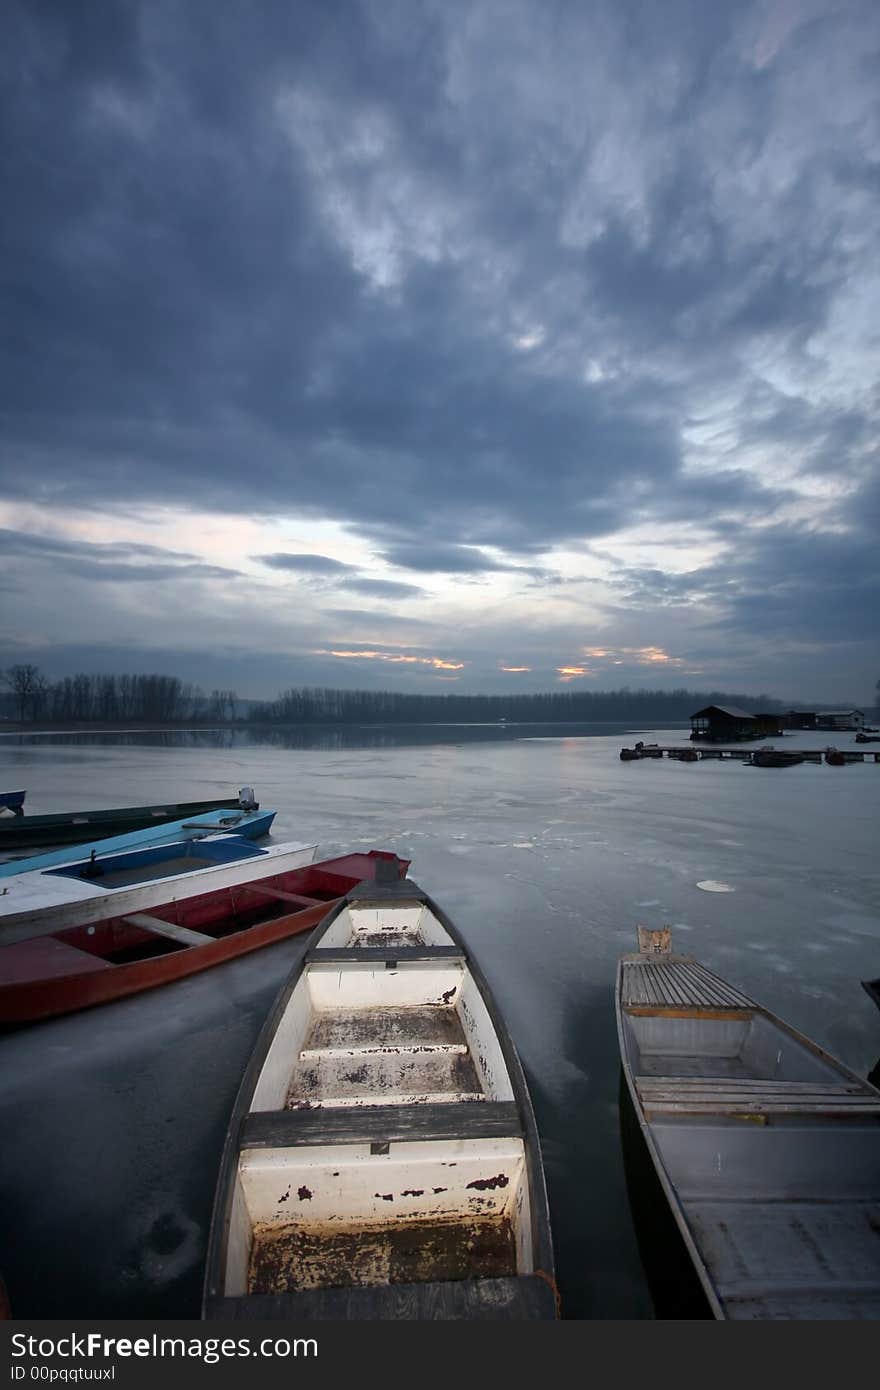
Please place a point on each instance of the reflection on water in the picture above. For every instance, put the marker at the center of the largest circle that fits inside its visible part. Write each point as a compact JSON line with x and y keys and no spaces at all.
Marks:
{"x":329,"y":737}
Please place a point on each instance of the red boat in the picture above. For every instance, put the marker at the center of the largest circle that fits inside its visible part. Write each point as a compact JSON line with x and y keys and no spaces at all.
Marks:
{"x":82,"y":966}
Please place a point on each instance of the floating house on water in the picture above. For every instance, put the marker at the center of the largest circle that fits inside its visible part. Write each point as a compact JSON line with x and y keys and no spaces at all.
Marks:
{"x":852,"y":719}
{"x":729,"y":724}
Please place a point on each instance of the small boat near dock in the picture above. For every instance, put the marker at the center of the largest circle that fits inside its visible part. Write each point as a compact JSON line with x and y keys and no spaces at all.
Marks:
{"x":13,"y":801}
{"x":382,"y":1160}
{"x":774,"y":757}
{"x":123,"y":955}
{"x":251,"y":825}
{"x":75,"y":827}
{"x":87,"y":891}
{"x":767,"y":1148}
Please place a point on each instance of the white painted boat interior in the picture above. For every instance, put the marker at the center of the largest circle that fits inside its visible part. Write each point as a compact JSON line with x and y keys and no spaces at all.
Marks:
{"x":342,"y":1215}
{"x":359,"y":1033}
{"x":373,"y":924}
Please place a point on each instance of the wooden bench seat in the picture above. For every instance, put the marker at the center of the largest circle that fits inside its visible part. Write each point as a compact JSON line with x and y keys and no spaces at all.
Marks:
{"x":688,"y":1095}
{"x":524,"y":1297}
{"x":482,"y":1119}
{"x":402,"y":954}
{"x":184,"y":935}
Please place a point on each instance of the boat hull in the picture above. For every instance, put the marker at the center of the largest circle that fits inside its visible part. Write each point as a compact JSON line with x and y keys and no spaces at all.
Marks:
{"x":75,"y":827}
{"x":52,"y":976}
{"x":251,"y":825}
{"x":45,"y":902}
{"x":767,"y":1149}
{"x":385,"y":1096}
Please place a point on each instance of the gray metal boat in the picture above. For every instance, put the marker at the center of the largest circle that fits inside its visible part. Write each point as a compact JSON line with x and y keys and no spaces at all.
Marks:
{"x":768,"y":1149}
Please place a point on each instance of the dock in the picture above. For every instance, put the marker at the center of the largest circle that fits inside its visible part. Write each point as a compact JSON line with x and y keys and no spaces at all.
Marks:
{"x":740,"y":755}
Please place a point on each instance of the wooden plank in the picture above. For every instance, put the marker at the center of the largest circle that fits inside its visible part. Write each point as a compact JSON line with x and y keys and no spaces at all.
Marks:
{"x":181,"y":934}
{"x":283,"y":896}
{"x":271,"y":1129}
{"x":404,"y":954}
{"x":849,"y":1105}
{"x":746,"y":1083}
{"x":719,"y":1095}
{"x":657,"y":1011}
{"x":521,"y":1298}
{"x":675,"y":982}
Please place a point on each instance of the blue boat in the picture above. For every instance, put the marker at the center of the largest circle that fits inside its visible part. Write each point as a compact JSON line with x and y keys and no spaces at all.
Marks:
{"x":250,"y":824}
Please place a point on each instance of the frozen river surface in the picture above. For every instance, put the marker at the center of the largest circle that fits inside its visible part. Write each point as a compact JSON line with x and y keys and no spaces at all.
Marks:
{"x":546,"y":850}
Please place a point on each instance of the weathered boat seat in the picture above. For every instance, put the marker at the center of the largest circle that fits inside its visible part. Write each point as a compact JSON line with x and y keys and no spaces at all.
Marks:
{"x":686,"y":1095}
{"x":521,"y":1297}
{"x":184,"y":935}
{"x":390,"y":1055}
{"x":481,"y":1119}
{"x":389,"y":955}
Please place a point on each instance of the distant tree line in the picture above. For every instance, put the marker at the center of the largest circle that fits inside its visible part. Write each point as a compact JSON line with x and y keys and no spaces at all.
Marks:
{"x":112,"y":699}
{"x":158,"y":699}
{"x":324,"y":706}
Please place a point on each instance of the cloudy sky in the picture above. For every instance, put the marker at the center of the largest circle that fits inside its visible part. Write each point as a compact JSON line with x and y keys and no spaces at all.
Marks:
{"x":422,"y":344}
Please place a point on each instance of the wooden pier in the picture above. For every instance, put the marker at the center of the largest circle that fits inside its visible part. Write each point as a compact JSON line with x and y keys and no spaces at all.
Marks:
{"x":740,"y":755}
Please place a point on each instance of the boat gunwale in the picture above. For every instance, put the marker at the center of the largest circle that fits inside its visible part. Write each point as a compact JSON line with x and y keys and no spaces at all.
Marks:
{"x":19,"y":832}
{"x":539,"y":1213}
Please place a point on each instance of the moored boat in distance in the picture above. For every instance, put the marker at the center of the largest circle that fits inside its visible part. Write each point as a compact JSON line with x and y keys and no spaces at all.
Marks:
{"x":252,"y":825}
{"x":382,"y":1160}
{"x":767,"y":1148}
{"x":774,"y":757}
{"x":85,"y":891}
{"x":13,"y":801}
{"x":123,"y":955}
{"x":74,"y":827}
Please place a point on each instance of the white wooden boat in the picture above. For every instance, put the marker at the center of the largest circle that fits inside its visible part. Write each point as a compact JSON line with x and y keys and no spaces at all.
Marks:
{"x":72,"y":895}
{"x":382,"y":1160}
{"x":767,"y":1148}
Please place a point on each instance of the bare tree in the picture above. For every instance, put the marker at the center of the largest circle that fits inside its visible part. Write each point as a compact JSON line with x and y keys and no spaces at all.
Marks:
{"x":28,"y":685}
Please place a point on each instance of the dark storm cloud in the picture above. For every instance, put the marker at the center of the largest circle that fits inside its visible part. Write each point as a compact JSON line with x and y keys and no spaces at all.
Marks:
{"x":451,"y":559}
{"x":454,"y":276}
{"x":382,"y":588}
{"x":782,"y":583}
{"x":110,"y":562}
{"x":30,"y":543}
{"x":304,"y":564}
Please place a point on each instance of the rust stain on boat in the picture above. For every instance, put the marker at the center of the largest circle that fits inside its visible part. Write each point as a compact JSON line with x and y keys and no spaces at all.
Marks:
{"x":301,"y":1256}
{"x":490,"y":1184}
